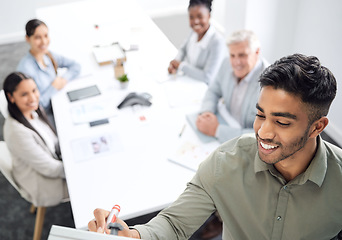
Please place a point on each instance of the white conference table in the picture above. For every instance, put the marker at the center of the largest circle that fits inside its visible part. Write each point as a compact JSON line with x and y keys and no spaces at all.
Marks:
{"x":132,"y":170}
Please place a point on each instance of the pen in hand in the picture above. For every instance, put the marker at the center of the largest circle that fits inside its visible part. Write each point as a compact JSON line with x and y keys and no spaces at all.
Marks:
{"x":113,"y":215}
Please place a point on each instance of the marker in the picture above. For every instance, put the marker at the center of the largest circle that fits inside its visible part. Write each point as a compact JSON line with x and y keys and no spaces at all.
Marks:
{"x":113,"y":214}
{"x":181,"y":132}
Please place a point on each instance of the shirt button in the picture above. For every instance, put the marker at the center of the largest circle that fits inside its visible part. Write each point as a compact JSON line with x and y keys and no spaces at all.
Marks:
{"x":279,"y":218}
{"x":285,"y":187}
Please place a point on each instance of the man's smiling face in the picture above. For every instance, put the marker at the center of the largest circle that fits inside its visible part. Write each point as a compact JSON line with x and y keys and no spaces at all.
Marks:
{"x":281,"y":125}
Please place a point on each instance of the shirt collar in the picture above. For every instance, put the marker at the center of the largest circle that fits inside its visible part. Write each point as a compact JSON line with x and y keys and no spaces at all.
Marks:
{"x":315,"y":172}
{"x":259,"y":165}
{"x":46,"y":60}
{"x":35,"y":116}
{"x":318,"y":167}
{"x":204,"y":42}
{"x":250,"y":76}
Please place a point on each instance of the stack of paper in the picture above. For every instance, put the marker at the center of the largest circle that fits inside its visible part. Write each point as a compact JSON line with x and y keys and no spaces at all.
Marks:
{"x":190,"y":155}
{"x":190,"y":150}
{"x":108,"y":54}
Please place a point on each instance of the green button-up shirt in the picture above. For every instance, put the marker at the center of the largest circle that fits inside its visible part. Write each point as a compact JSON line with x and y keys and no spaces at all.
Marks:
{"x":254,"y":200}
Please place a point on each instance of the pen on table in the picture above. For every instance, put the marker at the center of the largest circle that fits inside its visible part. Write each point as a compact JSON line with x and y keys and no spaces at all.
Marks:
{"x":113,"y":215}
{"x":181,"y":132}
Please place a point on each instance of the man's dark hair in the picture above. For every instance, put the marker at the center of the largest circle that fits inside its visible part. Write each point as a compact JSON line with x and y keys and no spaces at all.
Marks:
{"x":305,"y":77}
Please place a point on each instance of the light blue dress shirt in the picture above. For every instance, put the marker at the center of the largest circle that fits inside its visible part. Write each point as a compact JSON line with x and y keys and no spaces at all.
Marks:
{"x":45,"y":76}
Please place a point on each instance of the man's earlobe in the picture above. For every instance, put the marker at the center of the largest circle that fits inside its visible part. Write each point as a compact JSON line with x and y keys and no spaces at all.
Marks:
{"x":319,"y":126}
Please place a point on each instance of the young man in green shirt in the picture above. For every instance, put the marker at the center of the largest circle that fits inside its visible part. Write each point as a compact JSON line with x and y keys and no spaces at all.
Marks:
{"x":283,"y":183}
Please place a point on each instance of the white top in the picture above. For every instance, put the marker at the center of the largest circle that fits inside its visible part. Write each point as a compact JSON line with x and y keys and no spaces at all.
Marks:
{"x":194,"y":47}
{"x":45,"y":131}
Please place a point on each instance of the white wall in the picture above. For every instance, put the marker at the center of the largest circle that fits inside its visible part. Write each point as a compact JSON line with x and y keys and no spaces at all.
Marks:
{"x":15,"y":13}
{"x":273,"y":22}
{"x":311,"y":27}
{"x":319,"y":33}
{"x":13,"y":16}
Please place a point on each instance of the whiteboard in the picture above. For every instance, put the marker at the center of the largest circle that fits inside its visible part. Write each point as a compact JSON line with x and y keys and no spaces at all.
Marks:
{"x":65,"y":233}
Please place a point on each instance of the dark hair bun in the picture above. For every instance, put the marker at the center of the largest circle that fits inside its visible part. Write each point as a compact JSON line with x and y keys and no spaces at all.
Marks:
{"x":206,"y":3}
{"x":32,"y":25}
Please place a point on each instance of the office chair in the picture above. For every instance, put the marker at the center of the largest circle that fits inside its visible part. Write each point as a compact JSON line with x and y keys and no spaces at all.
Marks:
{"x":6,"y":169}
{"x":3,"y":104}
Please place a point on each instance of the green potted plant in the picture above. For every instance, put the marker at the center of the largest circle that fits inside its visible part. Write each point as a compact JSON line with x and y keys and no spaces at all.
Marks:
{"x":123,"y":79}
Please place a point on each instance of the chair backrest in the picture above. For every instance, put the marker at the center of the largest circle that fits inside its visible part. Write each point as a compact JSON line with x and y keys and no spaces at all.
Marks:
{"x":3,"y":104}
{"x":6,"y":167}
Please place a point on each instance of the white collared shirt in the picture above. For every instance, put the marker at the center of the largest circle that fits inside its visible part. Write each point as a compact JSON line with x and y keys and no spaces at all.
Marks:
{"x":194,"y":47}
{"x":45,"y":131}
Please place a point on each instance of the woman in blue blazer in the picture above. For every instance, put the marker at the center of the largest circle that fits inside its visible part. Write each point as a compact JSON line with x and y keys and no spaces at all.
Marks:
{"x":42,"y":65}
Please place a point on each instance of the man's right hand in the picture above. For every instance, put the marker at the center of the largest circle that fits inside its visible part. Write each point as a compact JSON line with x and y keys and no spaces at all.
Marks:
{"x":99,"y":225}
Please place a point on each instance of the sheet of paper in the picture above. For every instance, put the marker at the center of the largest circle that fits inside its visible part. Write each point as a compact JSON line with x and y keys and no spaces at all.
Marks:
{"x":190,"y":154}
{"x":108,"y":54}
{"x":92,"y":111}
{"x":189,"y":150}
{"x":95,"y":146}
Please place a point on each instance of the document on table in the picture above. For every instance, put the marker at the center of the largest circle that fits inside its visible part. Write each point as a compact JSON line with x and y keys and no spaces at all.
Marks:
{"x":190,"y":154}
{"x":92,"y":111}
{"x":108,"y":53}
{"x":95,"y":146}
{"x":189,"y":150}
